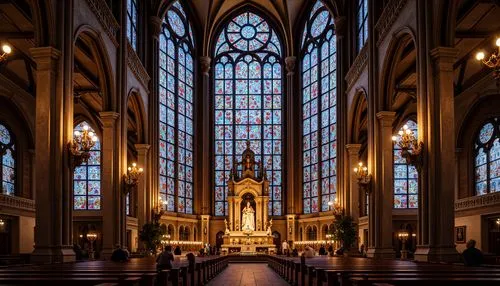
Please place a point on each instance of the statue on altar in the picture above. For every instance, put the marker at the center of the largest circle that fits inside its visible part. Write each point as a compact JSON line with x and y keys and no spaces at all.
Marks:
{"x":227,"y":227}
{"x":269,"y":225}
{"x":248,"y":218}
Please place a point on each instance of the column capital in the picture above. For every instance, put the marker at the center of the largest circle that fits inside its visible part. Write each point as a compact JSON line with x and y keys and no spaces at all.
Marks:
{"x":155,"y":23}
{"x":290,"y":64}
{"x":45,"y":57}
{"x":108,"y":118}
{"x":444,"y":57}
{"x":205,"y":64}
{"x":353,"y":149}
{"x":386,"y":117}
{"x":142,"y":149}
{"x":340,"y":26}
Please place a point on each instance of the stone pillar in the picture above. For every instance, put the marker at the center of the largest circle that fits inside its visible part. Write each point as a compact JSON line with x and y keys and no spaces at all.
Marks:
{"x":381,"y":198}
{"x":230,"y":203}
{"x":290,"y":227}
{"x":353,"y":198}
{"x":111,"y":223}
{"x":205,"y":228}
{"x":49,"y":149}
{"x":437,"y":240}
{"x":292,"y":160}
{"x":206,"y":170}
{"x":143,"y":212}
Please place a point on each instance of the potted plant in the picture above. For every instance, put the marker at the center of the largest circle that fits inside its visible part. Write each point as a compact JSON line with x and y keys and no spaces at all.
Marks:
{"x":345,"y":231}
{"x":150,"y":235}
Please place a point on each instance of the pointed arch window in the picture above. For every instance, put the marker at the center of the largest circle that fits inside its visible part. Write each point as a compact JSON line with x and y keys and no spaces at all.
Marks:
{"x":361,"y":24}
{"x":405,"y":176}
{"x":7,"y":161}
{"x":87,"y":177}
{"x":176,"y":73}
{"x":132,"y":20}
{"x":487,"y":158}
{"x":319,"y":110}
{"x":248,"y":99}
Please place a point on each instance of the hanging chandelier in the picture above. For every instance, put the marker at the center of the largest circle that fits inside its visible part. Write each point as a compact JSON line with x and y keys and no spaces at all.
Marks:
{"x":492,"y":62}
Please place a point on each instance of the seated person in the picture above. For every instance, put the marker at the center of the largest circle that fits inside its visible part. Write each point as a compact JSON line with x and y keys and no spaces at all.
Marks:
{"x":295,"y":252}
{"x":322,"y":250}
{"x":164,"y":260}
{"x":119,"y":255}
{"x":472,"y":256}
{"x":308,"y":252}
{"x":177,"y":250}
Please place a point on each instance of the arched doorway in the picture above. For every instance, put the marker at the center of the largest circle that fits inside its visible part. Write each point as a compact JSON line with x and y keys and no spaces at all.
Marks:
{"x":219,"y":240}
{"x":277,"y":240}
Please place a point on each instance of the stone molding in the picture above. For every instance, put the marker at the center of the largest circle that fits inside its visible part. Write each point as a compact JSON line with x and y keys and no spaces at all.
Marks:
{"x":357,"y":67}
{"x":135,"y":64}
{"x":17,"y":202}
{"x":105,"y":17}
{"x":477,"y":202}
{"x":387,"y":19}
{"x":290,"y":65}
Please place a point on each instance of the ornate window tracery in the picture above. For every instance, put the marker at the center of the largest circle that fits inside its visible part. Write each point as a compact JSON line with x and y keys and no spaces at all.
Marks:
{"x":405,"y":177}
{"x":7,"y":161}
{"x":132,"y":20}
{"x":248,"y":103}
{"x":176,"y":73}
{"x":487,"y":158}
{"x":361,"y":24}
{"x":87,"y":177}
{"x":319,"y":110}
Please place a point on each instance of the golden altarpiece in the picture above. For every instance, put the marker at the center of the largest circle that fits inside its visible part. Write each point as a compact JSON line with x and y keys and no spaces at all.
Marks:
{"x":248,"y":229}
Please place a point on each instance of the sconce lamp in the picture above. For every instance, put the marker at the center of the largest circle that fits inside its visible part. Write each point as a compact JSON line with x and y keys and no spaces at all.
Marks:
{"x":131,"y":179}
{"x":6,"y":49}
{"x":159,"y":210}
{"x":81,"y":145}
{"x":364,"y":179}
{"x":337,"y":209}
{"x":492,"y":62}
{"x":91,"y":236}
{"x":411,"y":149}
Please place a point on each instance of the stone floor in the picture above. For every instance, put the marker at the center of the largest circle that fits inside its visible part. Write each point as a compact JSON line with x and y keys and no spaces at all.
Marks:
{"x":248,"y":274}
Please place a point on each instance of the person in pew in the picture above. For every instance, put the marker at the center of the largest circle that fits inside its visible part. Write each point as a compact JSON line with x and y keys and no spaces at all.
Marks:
{"x":78,"y":252}
{"x":322,"y":250}
{"x":164,"y":260}
{"x":177,"y":250}
{"x":362,"y":250}
{"x":308,"y":252}
{"x":119,"y":255}
{"x":330,"y":250}
{"x":295,"y":252}
{"x":472,"y":256}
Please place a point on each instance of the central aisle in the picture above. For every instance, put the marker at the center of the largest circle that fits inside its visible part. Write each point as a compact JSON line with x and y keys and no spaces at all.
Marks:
{"x":242,"y":274}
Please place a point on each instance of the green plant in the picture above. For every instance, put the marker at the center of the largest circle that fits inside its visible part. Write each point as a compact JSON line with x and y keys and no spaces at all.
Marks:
{"x":345,"y":230}
{"x":151,"y":234}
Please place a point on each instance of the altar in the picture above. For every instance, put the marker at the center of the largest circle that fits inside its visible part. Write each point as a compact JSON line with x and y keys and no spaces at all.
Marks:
{"x":248,"y":229}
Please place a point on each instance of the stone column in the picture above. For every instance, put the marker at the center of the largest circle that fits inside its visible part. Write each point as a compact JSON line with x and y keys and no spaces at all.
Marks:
{"x":353,"y":198}
{"x":381,"y":199}
{"x":290,"y":227}
{"x":206,"y":170}
{"x":205,"y":228}
{"x":437,"y":240}
{"x":143,"y":212}
{"x":49,"y":150}
{"x":291,"y":160}
{"x":110,"y":196}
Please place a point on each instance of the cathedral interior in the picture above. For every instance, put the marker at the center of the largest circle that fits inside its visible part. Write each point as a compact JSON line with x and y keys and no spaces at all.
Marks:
{"x":243,"y":124}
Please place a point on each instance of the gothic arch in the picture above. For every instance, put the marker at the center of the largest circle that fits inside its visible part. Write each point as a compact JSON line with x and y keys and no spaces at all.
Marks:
{"x":105,"y":71}
{"x":358,"y":116}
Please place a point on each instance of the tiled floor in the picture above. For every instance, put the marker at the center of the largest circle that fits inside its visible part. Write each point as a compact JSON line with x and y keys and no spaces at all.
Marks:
{"x":248,"y":274}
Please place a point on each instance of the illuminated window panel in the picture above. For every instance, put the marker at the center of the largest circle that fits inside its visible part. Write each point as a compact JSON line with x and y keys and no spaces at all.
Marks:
{"x":319,"y":110}
{"x":176,"y":73}
{"x":361,"y":24}
{"x":87,"y":177}
{"x":487,"y":158}
{"x":132,"y":19}
{"x":7,"y":161}
{"x":248,"y":103}
{"x":405,"y":176}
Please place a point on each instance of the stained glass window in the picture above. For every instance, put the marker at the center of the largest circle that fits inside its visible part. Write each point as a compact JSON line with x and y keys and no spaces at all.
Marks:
{"x":487,"y":158}
{"x":87,"y":178}
{"x":248,"y":103}
{"x":319,"y":110}
{"x":132,"y":19}
{"x":405,"y":177}
{"x":361,"y":24}
{"x":176,"y":74}
{"x":127,"y":204}
{"x":7,"y":161}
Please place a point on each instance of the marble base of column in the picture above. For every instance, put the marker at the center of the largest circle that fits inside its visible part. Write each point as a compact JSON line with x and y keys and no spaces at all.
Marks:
{"x":383,"y":253}
{"x":445,"y":253}
{"x":57,"y":254}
